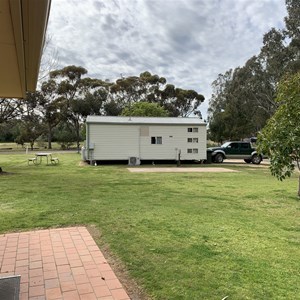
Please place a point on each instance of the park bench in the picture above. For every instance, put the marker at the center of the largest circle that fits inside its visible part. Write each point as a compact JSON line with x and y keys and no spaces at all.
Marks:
{"x":54,"y":160}
{"x":33,"y":160}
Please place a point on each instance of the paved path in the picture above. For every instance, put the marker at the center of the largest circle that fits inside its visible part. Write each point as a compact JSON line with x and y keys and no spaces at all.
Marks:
{"x":63,"y":264}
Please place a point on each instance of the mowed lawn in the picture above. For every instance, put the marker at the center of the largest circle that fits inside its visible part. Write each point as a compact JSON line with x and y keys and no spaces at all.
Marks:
{"x":180,"y":235}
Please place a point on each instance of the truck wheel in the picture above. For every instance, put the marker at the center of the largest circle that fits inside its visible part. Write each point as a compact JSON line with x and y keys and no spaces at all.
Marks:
{"x":248,"y":161}
{"x":256,"y":159}
{"x":219,"y":158}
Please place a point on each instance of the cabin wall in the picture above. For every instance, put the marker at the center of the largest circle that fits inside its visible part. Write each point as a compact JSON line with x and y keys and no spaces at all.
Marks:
{"x":147,"y":142}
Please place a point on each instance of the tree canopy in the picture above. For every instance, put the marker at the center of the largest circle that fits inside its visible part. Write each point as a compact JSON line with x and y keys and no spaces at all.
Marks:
{"x":57,"y":111}
{"x":145,"y":109}
{"x":280,"y":138}
{"x":243,"y":99}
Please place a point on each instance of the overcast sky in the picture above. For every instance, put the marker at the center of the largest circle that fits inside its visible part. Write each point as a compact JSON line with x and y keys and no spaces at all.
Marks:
{"x":189,"y":42}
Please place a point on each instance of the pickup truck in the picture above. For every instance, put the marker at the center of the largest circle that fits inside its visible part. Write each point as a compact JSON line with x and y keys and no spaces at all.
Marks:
{"x":236,"y":150}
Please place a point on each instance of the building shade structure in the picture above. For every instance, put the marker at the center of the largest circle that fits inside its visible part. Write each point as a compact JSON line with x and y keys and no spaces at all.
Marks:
{"x":23,"y":25}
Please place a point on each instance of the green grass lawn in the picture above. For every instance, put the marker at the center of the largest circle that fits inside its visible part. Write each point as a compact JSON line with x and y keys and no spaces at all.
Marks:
{"x":180,"y":235}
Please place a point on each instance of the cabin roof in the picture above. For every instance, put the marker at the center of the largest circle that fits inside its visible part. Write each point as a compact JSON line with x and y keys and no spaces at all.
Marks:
{"x":195,"y":121}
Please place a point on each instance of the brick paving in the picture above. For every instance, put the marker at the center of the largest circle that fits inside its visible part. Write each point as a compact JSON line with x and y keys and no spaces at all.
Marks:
{"x":60,"y":264}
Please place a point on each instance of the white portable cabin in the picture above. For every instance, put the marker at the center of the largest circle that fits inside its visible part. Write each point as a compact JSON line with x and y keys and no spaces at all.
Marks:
{"x":144,"y":138}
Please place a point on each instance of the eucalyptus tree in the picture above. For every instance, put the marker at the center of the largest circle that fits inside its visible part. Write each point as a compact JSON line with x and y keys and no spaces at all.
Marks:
{"x":31,"y":126}
{"x":73,"y":89}
{"x":248,"y":97}
{"x":145,"y":109}
{"x":154,"y":89}
{"x":280,"y":138}
{"x":9,"y":109}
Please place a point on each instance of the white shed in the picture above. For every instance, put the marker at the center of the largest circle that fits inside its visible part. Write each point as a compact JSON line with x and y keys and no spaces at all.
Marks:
{"x":144,"y":138}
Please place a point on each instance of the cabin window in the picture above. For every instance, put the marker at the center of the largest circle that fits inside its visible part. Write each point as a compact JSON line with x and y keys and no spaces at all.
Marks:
{"x":194,"y":151}
{"x":192,"y":129}
{"x":156,"y":140}
{"x":192,"y":140}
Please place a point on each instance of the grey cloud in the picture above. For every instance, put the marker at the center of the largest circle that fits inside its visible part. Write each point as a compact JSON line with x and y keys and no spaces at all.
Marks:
{"x":187,"y":41}
{"x":99,"y":5}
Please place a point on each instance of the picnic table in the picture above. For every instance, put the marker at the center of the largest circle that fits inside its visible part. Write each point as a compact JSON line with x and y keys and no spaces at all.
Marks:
{"x":39,"y":157}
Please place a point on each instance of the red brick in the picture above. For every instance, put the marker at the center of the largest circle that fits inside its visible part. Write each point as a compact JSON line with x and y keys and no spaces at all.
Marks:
{"x":47,"y":253}
{"x":102,"y":291}
{"x":68,"y":286}
{"x":34,"y":281}
{"x":21,"y":256}
{"x":104,"y":267}
{"x":36,"y":272}
{"x":72,"y":295}
{"x":86,"y":258}
{"x":78,"y":271}
{"x":63,"y":269}
{"x":61,"y":261}
{"x":10,"y":254}
{"x":51,"y":283}
{"x":119,"y":294}
{"x":108,"y":275}
{"x":36,"y":291}
{"x":8,"y":261}
{"x":75,"y":263}
{"x":93,"y":273}
{"x":24,"y":278}
{"x":23,"y":262}
{"x":35,"y":252}
{"x":35,"y":264}
{"x":49,"y":267}
{"x":60,"y":255}
{"x":23,"y":250}
{"x":90,"y":296}
{"x":113,"y":284}
{"x":24,"y":296}
{"x":7,"y":268}
{"x":97,"y":281}
{"x":65,"y":277}
{"x":68,"y":245}
{"x":81,"y":279}
{"x":53,"y":293}
{"x":50,"y":274}
{"x":38,"y":298}
{"x":24,"y":287}
{"x":35,"y":258}
{"x":48,"y":259}
{"x":84,"y":288}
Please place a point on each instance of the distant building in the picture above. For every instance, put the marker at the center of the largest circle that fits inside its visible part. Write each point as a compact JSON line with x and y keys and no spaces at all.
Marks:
{"x":144,"y":138}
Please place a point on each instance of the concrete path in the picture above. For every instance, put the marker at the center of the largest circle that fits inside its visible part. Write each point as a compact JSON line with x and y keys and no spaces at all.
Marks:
{"x":178,"y":170}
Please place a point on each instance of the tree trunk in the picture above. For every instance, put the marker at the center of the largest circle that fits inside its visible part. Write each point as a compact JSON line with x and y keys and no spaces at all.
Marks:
{"x":49,"y":137}
{"x":1,"y":170}
{"x":77,"y":128}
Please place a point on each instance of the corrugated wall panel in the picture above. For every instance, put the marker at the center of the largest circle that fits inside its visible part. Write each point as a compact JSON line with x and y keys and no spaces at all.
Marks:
{"x":119,"y":142}
{"x":114,"y":141}
{"x":174,"y":138}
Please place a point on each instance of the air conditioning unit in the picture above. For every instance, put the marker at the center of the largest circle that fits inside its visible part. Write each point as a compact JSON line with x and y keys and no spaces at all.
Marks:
{"x":134,"y":161}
